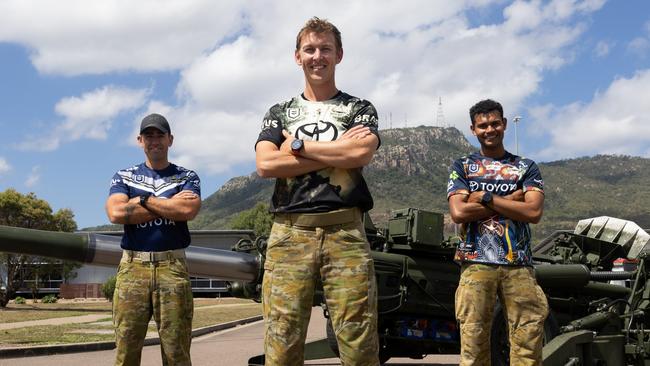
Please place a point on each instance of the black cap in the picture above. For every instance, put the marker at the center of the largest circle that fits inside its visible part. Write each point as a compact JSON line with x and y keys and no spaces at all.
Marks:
{"x":156,"y":121}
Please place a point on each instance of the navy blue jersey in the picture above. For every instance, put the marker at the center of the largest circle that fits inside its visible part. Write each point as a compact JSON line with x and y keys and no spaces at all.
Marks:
{"x":160,"y":234}
{"x":496,"y":239}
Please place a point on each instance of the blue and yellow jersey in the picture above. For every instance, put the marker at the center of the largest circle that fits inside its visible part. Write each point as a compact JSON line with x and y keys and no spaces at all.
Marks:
{"x":497,"y":239}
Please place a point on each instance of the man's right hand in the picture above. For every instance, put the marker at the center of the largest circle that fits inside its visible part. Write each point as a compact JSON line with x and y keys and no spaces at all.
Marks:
{"x":185,"y":195}
{"x":517,"y":195}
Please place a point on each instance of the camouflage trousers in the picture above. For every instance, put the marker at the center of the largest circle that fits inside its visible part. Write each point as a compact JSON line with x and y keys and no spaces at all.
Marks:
{"x":524,"y":305}
{"x":161,"y":290}
{"x":298,"y":255}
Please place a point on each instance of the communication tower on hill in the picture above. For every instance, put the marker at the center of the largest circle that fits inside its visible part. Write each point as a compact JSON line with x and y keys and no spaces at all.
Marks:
{"x":440,"y":117}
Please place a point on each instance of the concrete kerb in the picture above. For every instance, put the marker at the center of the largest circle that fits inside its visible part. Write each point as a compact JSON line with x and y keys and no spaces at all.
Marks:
{"x":103,"y":346}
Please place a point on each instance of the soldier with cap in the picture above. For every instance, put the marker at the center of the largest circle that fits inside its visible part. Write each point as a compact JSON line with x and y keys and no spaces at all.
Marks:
{"x":153,"y":200}
{"x":316,"y":145}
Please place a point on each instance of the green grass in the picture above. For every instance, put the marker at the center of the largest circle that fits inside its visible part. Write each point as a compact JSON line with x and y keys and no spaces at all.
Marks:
{"x":42,"y":335}
{"x":206,"y":312}
{"x":210,"y":316}
{"x":39,"y":311}
{"x":12,"y":315}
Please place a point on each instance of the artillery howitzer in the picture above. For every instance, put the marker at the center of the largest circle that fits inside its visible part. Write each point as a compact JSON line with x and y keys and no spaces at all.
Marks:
{"x":592,"y":321}
{"x":597,"y":315}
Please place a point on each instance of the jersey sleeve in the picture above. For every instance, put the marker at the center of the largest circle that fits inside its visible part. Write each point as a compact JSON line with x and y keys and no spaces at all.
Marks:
{"x":532,"y":179}
{"x":457,"y":183}
{"x":193,"y":183}
{"x":118,"y":185}
{"x":366,"y":115}
{"x":271,"y":128}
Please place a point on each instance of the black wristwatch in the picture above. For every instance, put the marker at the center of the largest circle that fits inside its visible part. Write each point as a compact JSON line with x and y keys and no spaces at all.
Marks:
{"x":297,"y":145}
{"x":143,"y":201}
{"x":487,"y":198}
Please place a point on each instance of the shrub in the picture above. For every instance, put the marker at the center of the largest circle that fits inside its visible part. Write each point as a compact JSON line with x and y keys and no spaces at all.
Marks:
{"x":49,"y":299}
{"x":19,"y":300}
{"x":108,"y":288}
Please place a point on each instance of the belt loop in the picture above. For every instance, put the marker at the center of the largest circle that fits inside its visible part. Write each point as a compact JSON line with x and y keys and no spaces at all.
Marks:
{"x":170,"y":255}
{"x":129,"y":254}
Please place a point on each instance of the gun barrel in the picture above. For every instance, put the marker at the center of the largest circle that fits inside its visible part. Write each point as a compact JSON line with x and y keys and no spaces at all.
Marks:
{"x":105,"y":250}
{"x":564,"y":275}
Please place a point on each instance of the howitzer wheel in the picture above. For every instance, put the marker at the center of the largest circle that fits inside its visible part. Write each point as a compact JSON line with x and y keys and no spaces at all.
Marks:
{"x":499,"y":341}
{"x":331,"y":340}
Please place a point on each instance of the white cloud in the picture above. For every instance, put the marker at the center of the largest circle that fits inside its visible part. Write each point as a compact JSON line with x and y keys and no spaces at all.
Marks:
{"x":215,"y":141}
{"x":74,"y":37}
{"x":236,"y":58}
{"x":34,"y":177}
{"x":397,"y":55}
{"x":210,"y":141}
{"x":603,"y":48}
{"x":89,"y":116}
{"x":639,"y":46}
{"x":4,"y":165}
{"x":614,"y":122}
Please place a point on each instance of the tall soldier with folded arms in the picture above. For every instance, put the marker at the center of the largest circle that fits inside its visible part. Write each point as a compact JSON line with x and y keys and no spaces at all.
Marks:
{"x":153,"y":200}
{"x":496,"y":194}
{"x":316,"y":144}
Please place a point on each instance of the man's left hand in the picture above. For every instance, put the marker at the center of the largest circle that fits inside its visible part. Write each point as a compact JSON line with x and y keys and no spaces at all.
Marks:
{"x":286,"y":144}
{"x":356,"y":132}
{"x":475,"y":197}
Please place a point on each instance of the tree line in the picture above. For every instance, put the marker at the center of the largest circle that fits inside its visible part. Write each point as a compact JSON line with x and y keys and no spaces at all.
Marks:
{"x":31,"y":212}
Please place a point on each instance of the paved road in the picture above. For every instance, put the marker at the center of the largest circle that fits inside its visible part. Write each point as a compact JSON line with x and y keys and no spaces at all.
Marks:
{"x":230,"y":347}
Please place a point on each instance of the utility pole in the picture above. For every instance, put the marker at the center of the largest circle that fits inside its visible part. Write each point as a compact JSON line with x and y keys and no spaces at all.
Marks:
{"x":516,"y":120}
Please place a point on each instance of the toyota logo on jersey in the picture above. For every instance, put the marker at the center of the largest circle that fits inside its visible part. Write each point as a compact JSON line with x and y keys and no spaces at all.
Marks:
{"x":319,"y":131}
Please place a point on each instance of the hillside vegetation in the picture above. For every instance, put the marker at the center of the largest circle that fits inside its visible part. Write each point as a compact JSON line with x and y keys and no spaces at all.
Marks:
{"x":410,"y":169}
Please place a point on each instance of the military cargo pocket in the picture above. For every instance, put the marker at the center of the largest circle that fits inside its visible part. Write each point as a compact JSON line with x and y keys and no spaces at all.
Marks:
{"x":277,"y":247}
{"x":276,"y":240}
{"x":354,"y":236}
{"x":123,"y":268}
{"x":542,"y":302}
{"x":353,"y":232}
{"x":178,"y":267}
{"x":189,"y":303}
{"x":267,"y":285}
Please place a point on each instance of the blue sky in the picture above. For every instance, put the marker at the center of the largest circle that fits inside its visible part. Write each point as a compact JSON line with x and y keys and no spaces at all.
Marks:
{"x":77,"y":77}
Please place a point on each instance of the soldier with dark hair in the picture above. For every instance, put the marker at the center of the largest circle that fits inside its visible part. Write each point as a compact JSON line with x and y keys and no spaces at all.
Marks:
{"x":316,"y":144}
{"x":495,"y":195}
{"x":153,"y":200}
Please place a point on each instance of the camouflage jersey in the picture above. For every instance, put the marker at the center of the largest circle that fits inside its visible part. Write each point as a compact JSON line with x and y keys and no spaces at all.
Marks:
{"x":497,"y":239}
{"x":330,"y":188}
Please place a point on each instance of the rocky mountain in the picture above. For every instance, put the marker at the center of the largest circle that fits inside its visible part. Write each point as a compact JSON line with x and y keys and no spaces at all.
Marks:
{"x":410,"y":169}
